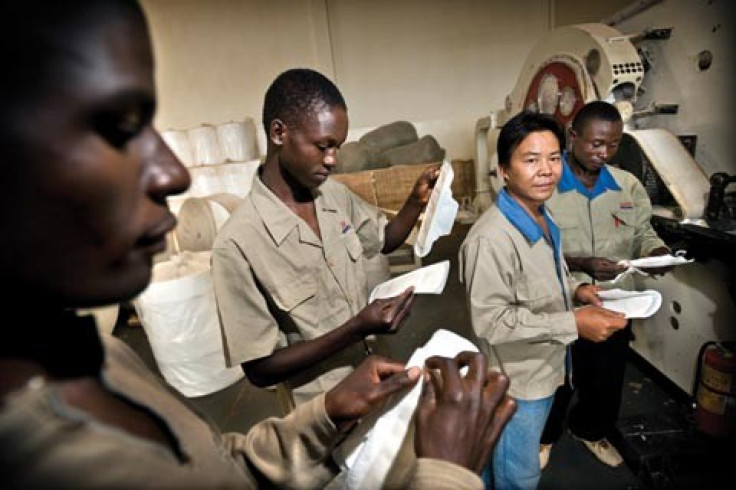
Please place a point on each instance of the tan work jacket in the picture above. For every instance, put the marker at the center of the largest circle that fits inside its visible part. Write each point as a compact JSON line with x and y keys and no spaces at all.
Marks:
{"x":614,"y":224}
{"x":519,"y":304}
{"x":277,"y":283}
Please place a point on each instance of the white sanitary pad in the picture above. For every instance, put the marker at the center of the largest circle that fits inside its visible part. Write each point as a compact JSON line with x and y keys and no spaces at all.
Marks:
{"x":635,"y":304}
{"x":637,"y":265}
{"x":430,"y":279}
{"x":439,"y":216}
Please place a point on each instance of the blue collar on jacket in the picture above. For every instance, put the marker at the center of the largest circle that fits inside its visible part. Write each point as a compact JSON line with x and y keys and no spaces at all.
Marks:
{"x":529,"y":227}
{"x":525,"y":223}
{"x":569,"y":182}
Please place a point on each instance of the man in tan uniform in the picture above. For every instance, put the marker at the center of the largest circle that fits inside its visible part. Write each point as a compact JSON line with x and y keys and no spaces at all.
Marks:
{"x":288,"y":266}
{"x":80,"y":410}
{"x":520,"y":293}
{"x":604,"y":214}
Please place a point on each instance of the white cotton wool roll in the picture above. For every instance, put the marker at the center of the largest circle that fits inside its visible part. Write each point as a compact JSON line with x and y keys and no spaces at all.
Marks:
{"x":178,"y":141}
{"x":205,"y":145}
{"x":238,"y":140}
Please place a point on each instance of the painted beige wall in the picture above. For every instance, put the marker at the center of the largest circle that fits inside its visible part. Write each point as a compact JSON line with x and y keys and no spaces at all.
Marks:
{"x":393,"y":59}
{"x":567,"y":12}
{"x":430,"y":59}
{"x":215,"y":58}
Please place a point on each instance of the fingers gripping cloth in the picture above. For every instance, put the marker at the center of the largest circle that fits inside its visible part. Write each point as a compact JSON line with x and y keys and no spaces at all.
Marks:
{"x":368,"y":453}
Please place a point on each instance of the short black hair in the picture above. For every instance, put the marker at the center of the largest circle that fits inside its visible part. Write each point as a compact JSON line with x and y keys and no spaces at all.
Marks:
{"x":519,"y":127}
{"x":298,"y":93}
{"x":597,"y":109}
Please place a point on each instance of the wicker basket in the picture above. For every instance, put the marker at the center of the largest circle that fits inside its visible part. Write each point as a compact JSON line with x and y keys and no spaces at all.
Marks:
{"x":394,"y":184}
{"x":388,"y":188}
{"x":361,"y":183}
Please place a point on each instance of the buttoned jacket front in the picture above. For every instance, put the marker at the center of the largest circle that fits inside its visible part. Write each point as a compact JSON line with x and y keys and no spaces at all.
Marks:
{"x":520,"y":302}
{"x":277,"y":283}
{"x":611,"y":221}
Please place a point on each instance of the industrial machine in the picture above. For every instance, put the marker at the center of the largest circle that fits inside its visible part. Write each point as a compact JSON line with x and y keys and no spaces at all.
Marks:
{"x":694,"y":211}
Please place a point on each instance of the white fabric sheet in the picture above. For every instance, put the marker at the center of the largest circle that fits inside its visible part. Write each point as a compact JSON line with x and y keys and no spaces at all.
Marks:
{"x":369,"y":451}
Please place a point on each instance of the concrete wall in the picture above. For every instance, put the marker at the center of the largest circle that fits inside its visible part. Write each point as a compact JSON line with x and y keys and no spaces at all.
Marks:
{"x":215,"y":58}
{"x":421,"y":60}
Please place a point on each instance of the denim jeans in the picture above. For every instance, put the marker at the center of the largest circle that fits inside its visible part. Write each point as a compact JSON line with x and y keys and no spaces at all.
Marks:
{"x":515,"y":462}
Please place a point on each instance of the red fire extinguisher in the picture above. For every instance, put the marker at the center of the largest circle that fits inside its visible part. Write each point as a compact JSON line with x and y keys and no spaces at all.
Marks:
{"x":715,"y":412}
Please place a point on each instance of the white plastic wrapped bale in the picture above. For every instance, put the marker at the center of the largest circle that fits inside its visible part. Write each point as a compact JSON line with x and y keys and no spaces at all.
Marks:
{"x":178,"y":313}
{"x":233,"y":178}
{"x":238,"y":140}
{"x":236,"y":178}
{"x":205,"y":145}
{"x":178,"y":141}
{"x":205,"y":181}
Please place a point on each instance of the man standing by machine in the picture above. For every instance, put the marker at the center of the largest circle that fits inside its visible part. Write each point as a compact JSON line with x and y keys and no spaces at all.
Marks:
{"x":604,"y":214}
{"x":288,"y":266}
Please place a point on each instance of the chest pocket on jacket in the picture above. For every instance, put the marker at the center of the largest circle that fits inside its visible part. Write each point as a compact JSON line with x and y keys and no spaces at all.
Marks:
{"x":566,"y":217}
{"x":618,"y":235}
{"x":353,"y":246}
{"x":534,"y":292}
{"x":575,"y":235}
{"x":291,"y":294}
{"x":295,"y":303}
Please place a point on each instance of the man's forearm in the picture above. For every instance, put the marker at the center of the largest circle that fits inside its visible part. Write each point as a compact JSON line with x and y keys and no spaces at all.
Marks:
{"x":576,"y":264}
{"x":288,"y":361}
{"x":398,"y":229}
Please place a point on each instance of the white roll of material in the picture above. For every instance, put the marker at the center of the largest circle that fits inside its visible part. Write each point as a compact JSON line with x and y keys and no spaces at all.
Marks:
{"x":179,"y":315}
{"x":237,"y":178}
{"x":205,"y":180}
{"x":205,"y":145}
{"x":178,"y":141}
{"x":199,"y":219}
{"x":238,"y":140}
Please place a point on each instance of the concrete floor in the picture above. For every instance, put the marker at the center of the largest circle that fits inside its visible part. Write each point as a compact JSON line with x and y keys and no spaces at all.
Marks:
{"x":660,"y":463}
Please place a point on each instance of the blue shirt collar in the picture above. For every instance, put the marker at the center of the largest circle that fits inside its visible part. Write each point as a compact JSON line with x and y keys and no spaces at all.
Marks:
{"x":527,"y":225}
{"x":569,"y":182}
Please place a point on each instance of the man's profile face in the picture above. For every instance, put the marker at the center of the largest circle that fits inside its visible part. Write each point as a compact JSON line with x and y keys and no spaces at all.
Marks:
{"x":596,"y":143}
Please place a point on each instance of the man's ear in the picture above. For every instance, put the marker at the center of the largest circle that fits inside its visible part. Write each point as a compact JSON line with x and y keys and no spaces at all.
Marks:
{"x":277,"y":131}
